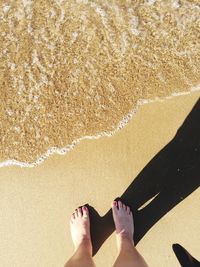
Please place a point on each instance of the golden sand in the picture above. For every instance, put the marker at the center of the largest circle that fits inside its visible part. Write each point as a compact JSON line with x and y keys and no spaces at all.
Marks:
{"x":70,"y":69}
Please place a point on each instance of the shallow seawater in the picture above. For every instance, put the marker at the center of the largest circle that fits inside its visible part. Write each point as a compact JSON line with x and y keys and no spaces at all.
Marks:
{"x":71,"y":70}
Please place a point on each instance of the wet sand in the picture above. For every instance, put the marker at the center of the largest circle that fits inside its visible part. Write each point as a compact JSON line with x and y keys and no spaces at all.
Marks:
{"x":36,"y":203}
{"x":70,"y":69}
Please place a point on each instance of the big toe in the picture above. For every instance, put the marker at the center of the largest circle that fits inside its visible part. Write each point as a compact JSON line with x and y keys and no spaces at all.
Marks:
{"x":114,"y":206}
{"x":116,"y":211}
{"x":85,"y":212}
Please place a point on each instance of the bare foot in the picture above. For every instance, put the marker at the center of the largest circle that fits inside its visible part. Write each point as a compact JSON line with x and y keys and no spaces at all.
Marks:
{"x":80,"y":229}
{"x":123,"y":219}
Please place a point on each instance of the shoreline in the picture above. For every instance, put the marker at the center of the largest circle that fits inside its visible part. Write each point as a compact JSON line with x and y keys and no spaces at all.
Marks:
{"x":121,"y":125}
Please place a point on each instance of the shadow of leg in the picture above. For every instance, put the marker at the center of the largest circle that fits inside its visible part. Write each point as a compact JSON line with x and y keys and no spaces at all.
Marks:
{"x":171,"y":176}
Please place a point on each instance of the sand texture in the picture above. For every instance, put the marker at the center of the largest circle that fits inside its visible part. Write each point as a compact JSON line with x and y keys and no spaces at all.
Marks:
{"x":70,"y":69}
{"x":36,"y":203}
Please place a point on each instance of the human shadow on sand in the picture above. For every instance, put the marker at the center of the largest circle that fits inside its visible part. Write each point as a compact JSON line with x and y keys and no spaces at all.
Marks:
{"x":171,"y":176}
{"x":184,"y":257}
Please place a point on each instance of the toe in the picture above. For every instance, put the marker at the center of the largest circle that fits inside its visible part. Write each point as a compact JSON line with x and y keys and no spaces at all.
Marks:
{"x":80,"y":212}
{"x":72,"y":218}
{"x":128,"y":210}
{"x":114,"y":205}
{"x":76,"y":213}
{"x":115,"y":210}
{"x":124,"y":206}
{"x":85,"y":211}
{"x":120,"y":204}
{"x":131,"y":215}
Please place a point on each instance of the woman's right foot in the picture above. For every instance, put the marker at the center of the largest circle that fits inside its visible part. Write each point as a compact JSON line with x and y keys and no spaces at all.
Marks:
{"x":80,"y":229}
{"x":123,"y":219}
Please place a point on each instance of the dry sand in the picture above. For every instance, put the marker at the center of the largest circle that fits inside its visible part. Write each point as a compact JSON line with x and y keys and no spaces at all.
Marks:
{"x":36,"y":203}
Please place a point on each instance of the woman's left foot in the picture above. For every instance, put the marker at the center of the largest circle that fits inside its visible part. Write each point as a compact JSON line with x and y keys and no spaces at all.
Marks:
{"x":80,"y":229}
{"x":123,"y":219}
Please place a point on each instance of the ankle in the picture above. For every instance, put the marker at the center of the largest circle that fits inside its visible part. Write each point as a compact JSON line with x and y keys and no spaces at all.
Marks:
{"x":125,"y":237}
{"x":85,"y":246}
{"x":125,"y":242}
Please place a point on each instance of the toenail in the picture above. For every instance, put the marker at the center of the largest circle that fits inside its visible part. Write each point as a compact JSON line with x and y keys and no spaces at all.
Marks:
{"x":85,"y":208}
{"x":114,"y":203}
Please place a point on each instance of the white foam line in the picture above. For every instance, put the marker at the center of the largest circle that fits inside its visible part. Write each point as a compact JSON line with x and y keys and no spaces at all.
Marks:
{"x":122,"y":124}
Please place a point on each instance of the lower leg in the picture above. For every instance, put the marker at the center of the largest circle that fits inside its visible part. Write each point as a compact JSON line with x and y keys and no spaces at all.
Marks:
{"x":80,"y":231}
{"x":128,"y":255}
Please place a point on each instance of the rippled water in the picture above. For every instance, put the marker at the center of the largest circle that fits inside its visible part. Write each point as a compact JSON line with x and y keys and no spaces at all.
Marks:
{"x":71,"y":70}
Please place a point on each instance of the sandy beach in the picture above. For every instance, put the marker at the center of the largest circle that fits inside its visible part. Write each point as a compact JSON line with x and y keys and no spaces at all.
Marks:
{"x":36,"y":203}
{"x":70,"y":69}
